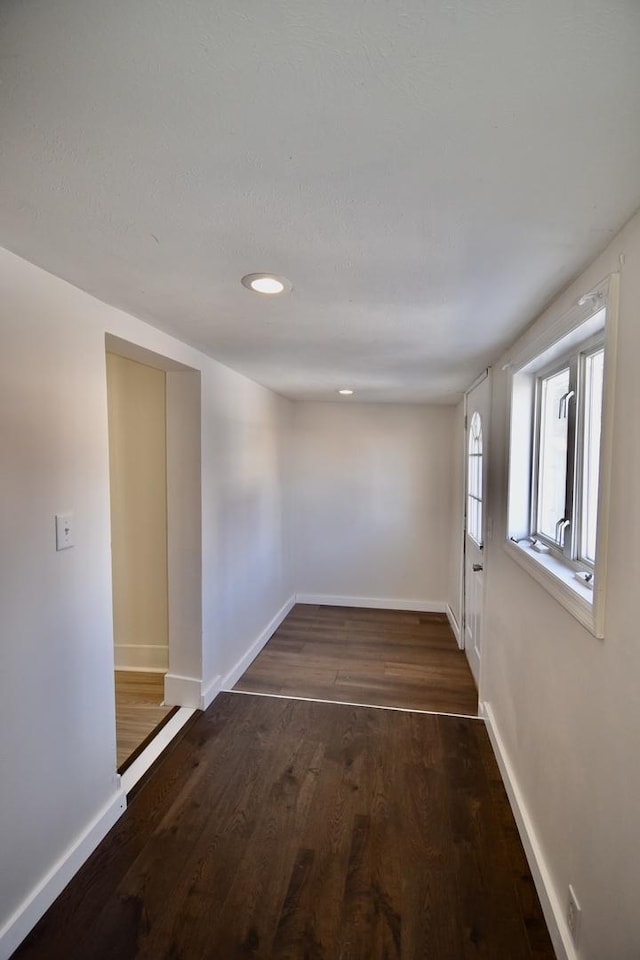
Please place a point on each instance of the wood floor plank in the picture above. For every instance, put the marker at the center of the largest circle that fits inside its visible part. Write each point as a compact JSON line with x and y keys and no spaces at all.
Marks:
{"x":265,"y":869}
{"x":381,"y":657}
{"x":282,"y":830}
{"x":310,"y":917}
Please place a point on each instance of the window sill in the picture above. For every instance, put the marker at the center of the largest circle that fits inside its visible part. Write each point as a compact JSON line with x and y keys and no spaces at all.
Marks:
{"x":560,"y":581}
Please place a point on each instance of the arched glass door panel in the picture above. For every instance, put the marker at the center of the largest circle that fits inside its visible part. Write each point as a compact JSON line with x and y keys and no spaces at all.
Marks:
{"x":474,"y":480}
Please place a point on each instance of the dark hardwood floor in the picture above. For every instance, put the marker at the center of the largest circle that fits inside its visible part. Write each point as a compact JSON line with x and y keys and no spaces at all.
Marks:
{"x":295,"y":830}
{"x":390,"y":658}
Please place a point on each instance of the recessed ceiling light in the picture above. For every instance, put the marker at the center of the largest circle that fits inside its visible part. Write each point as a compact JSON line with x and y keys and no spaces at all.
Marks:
{"x":267,"y":283}
{"x":345,"y":393}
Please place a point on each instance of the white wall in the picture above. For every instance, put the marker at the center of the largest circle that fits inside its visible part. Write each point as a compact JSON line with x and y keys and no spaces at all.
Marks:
{"x":565,"y":704}
{"x":373,"y":501}
{"x":245,"y":455}
{"x":57,"y":730}
{"x":136,"y":400}
{"x":57,"y":724}
{"x":184,"y":530}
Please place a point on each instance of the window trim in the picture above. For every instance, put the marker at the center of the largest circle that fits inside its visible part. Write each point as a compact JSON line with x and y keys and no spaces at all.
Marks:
{"x":590,"y":351}
{"x":541,"y":348}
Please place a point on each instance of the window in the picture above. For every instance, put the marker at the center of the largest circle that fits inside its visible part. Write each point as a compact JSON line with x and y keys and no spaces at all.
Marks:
{"x":567,"y":454}
{"x":474,"y":480}
{"x":559,"y":452}
{"x":550,"y":484}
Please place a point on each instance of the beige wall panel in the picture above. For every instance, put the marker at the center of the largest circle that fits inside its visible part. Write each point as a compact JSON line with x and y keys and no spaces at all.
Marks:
{"x":138,"y":458}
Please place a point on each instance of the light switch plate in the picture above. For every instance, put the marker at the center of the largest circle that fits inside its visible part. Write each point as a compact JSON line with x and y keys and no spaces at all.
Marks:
{"x":64,"y":531}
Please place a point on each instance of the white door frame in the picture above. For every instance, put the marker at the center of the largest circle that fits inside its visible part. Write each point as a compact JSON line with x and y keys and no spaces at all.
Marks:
{"x":182,"y":683}
{"x":485,"y":375}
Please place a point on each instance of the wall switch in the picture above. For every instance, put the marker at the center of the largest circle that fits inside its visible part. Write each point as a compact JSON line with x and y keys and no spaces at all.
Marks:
{"x":64,"y":531}
{"x":573,"y":914}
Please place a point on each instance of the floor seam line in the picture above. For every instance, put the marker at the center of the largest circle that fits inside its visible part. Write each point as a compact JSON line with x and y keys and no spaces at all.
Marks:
{"x":343,"y":703}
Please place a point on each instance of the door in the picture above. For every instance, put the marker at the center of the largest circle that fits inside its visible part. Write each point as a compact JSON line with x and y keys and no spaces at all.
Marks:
{"x":477,"y":431}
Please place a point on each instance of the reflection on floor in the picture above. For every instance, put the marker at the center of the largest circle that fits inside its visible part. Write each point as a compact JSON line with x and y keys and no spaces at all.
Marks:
{"x":391,"y":658}
{"x":139,"y":709}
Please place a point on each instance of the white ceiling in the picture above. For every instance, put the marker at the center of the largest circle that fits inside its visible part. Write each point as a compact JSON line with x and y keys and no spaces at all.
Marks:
{"x":427,"y":174}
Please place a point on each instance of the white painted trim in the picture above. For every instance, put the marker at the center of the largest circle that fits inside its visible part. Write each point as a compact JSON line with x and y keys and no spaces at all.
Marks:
{"x":210,"y":691}
{"x":606,"y":451}
{"x":469,"y":645}
{"x":473,"y":657}
{"x":478,"y":380}
{"x":549,"y":330}
{"x":463,"y":513}
{"x":348,"y":703}
{"x":376,"y":603}
{"x":232,"y":677}
{"x":55,"y":880}
{"x":159,"y":743}
{"x":552,"y":907}
{"x":455,"y":626}
{"x":183,"y":406}
{"x":558,"y":580}
{"x":463,"y":545}
{"x":140,"y":354}
{"x":141,"y":657}
{"x":190,"y":691}
{"x":182,"y":691}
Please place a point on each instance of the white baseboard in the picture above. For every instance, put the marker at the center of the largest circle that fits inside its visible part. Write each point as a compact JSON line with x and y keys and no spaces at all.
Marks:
{"x":53,"y":883}
{"x":159,"y":743}
{"x":455,"y":626}
{"x":232,"y":677}
{"x":143,"y":657}
{"x":210,"y":691}
{"x":376,"y":603}
{"x":552,"y":907}
{"x":182,"y":691}
{"x":190,"y":691}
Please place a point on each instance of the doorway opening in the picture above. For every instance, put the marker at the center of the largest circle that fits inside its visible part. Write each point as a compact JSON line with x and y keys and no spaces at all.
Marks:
{"x":154,"y":460}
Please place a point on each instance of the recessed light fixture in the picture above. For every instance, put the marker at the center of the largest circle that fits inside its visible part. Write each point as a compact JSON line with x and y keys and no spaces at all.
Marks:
{"x":267,"y":283}
{"x":345,"y":393}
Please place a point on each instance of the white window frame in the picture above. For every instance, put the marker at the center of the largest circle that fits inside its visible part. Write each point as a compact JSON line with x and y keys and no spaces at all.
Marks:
{"x":592,"y":323}
{"x":568,"y":545}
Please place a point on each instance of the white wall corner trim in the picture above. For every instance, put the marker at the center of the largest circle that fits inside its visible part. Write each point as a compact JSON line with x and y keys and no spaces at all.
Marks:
{"x":375,"y":603}
{"x":53,"y":883}
{"x":182,"y":691}
{"x":455,"y":626}
{"x":551,"y":904}
{"x":232,"y":677}
{"x":210,"y":691}
{"x":190,"y":691}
